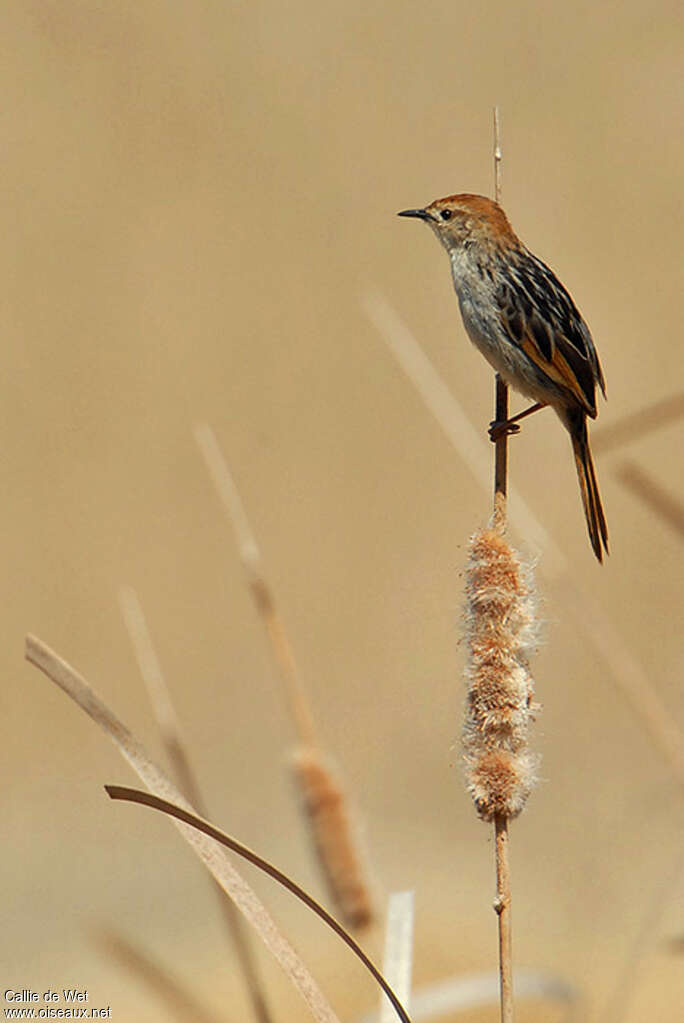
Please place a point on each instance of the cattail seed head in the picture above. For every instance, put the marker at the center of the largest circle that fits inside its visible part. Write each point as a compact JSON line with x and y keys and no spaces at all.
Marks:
{"x":501,"y":633}
{"x":335,"y":836}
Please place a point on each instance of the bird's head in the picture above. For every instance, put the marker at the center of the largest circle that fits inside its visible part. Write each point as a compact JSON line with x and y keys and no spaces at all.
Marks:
{"x":462,"y":220}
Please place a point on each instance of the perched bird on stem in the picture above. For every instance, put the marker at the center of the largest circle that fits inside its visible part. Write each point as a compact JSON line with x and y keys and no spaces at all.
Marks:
{"x":526,"y":325}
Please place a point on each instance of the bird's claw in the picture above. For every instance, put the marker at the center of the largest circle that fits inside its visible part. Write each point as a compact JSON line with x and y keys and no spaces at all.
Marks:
{"x":504,"y":428}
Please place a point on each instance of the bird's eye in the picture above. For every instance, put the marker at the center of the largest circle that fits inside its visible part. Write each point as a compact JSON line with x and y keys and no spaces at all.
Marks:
{"x":445,"y":214}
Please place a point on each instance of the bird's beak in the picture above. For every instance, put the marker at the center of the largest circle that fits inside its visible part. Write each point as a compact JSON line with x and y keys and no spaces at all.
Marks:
{"x":421,"y":214}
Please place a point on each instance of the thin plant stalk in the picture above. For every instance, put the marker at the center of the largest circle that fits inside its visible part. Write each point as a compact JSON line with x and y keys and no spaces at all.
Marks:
{"x":500,"y":457}
{"x":327,"y":810}
{"x":501,"y":392}
{"x":250,"y":555}
{"x":502,"y":905}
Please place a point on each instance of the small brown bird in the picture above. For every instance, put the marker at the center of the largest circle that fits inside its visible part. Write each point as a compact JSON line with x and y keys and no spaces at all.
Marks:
{"x":526,"y":325}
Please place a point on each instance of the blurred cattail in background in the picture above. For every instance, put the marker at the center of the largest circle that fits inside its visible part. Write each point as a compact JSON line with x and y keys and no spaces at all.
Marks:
{"x":335,"y":834}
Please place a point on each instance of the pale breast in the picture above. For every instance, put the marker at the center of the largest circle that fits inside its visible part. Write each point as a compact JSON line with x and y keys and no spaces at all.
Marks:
{"x":481,"y":321}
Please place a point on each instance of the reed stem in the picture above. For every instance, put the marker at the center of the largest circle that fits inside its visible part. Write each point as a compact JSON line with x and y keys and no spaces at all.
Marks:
{"x":502,"y":905}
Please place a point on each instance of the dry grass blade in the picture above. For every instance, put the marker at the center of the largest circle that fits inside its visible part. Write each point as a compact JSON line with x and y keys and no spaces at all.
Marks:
{"x":398,"y":958}
{"x":169,"y":727}
{"x":626,"y":672}
{"x":149,"y":664}
{"x":180,"y":1002}
{"x":185,"y":816}
{"x":159,"y":695}
{"x":638,"y":424}
{"x":61,"y":673}
{"x":655,"y":497}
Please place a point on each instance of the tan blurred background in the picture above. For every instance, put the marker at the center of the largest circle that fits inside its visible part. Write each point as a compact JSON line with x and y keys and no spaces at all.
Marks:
{"x":197,"y":199}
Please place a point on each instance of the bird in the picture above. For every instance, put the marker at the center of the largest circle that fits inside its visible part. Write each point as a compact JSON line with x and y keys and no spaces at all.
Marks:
{"x":525,"y":323}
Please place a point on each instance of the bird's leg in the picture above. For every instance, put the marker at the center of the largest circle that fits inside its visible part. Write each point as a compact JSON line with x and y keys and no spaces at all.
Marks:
{"x":508,"y":426}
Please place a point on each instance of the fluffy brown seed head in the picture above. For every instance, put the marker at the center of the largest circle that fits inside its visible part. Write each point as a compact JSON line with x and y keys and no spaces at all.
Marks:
{"x":335,"y":836}
{"x":500,"y":625}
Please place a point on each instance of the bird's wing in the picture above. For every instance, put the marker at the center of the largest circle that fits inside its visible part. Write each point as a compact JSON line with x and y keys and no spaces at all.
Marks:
{"x":541,"y":318}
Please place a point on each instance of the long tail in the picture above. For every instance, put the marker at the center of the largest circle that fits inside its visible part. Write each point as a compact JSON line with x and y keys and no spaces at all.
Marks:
{"x":586,"y":474}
